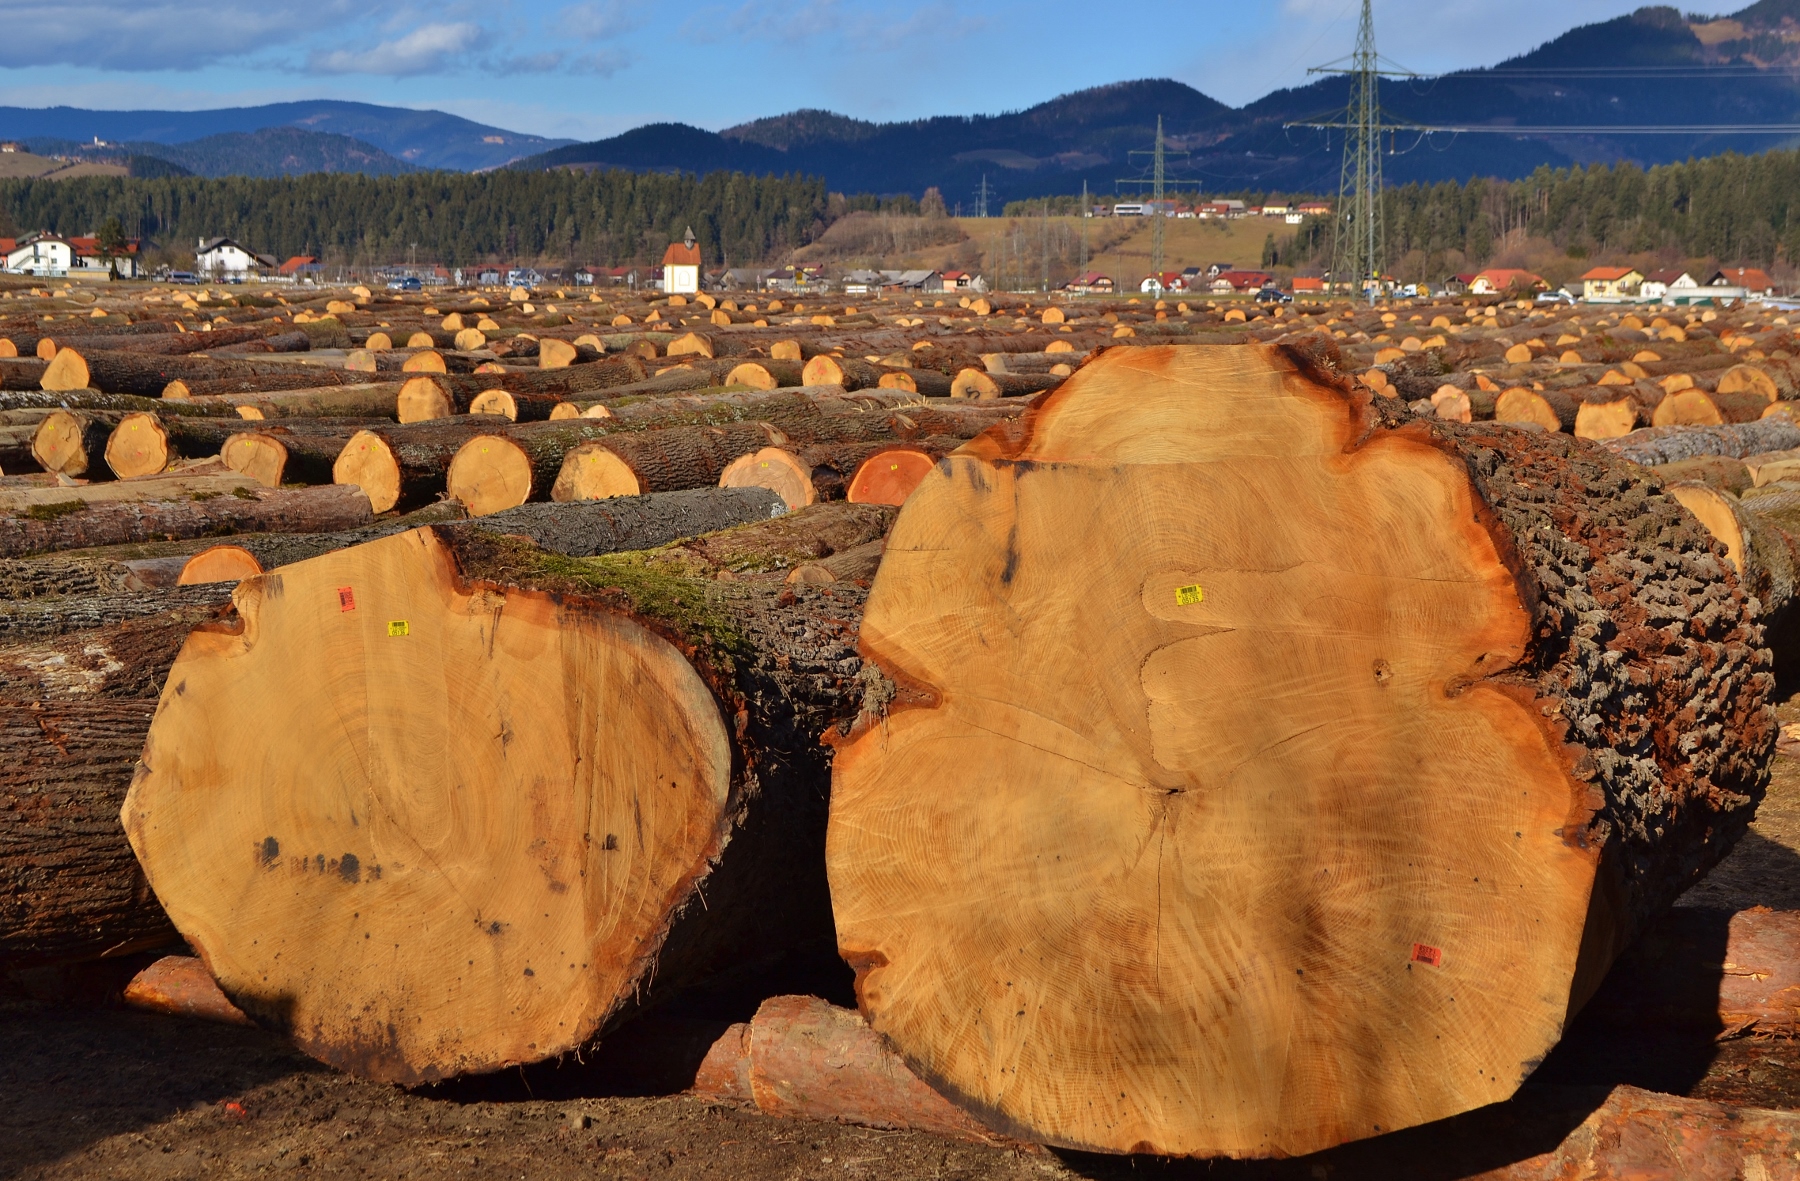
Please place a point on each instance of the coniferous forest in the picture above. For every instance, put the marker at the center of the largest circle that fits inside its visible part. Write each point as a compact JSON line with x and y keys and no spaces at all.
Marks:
{"x":1731,"y":207}
{"x":604,"y":218}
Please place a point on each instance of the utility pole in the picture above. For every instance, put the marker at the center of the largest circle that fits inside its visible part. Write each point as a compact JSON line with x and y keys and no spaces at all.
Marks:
{"x":1359,"y":248}
{"x":1046,"y":245}
{"x":1158,"y":155}
{"x":1087,"y":210}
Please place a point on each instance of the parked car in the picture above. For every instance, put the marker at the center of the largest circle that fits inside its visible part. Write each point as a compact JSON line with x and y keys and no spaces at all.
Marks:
{"x":1554,"y":297}
{"x":410,"y":283}
{"x":181,"y":277}
{"x":1273,"y":295}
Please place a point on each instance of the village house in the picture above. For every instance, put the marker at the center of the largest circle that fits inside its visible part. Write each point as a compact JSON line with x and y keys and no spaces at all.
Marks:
{"x":1230,"y":282}
{"x":1751,"y":279}
{"x":681,"y":266}
{"x":300,"y":266}
{"x":964,"y":281}
{"x":1313,"y":209}
{"x":1611,"y":284}
{"x":1658,"y":284}
{"x":1500,"y":280}
{"x":40,"y":254}
{"x":226,"y":261}
{"x":1167,"y":282}
{"x":1308,"y":285}
{"x":1091,"y":283}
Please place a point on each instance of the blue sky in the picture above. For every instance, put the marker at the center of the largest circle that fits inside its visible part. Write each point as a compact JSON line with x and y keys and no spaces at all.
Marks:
{"x":592,"y":68}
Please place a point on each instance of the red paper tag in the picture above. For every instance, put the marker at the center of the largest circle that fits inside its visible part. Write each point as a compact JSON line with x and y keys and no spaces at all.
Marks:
{"x":1431,"y":957}
{"x":346,"y":599}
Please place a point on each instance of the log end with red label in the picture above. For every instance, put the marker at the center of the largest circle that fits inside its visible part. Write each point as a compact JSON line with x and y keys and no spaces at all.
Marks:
{"x":1156,"y":842}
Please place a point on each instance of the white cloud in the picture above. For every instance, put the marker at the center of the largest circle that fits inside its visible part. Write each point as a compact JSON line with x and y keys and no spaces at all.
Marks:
{"x":150,"y":34}
{"x":595,"y":20}
{"x":428,"y":49}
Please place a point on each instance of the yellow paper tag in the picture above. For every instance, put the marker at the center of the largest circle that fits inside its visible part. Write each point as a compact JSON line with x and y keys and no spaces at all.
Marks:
{"x":397,"y":627}
{"x":1187,"y":596}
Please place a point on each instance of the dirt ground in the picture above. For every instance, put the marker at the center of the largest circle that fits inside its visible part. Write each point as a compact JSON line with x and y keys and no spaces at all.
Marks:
{"x":96,"y":1092}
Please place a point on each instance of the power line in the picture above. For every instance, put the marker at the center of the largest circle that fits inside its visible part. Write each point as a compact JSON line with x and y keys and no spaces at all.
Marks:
{"x":1158,"y":155}
{"x":1360,"y":244}
{"x":1578,"y":129}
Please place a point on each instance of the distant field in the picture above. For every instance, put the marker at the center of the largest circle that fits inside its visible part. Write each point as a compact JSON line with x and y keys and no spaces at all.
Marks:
{"x":14,"y":165}
{"x":1119,"y":247}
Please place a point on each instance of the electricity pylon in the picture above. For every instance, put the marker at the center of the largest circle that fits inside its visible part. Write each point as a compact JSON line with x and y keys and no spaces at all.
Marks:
{"x":1158,"y":155}
{"x":1359,"y":246}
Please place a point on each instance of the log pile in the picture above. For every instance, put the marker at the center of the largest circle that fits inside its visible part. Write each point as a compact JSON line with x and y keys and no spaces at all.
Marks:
{"x":463,"y":677}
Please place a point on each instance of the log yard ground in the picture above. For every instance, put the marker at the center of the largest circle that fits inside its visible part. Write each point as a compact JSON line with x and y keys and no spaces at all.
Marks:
{"x":532,"y":733}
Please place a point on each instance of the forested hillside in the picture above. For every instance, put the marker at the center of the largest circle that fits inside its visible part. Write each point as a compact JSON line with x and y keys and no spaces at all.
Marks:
{"x":1737,"y":209}
{"x":600,"y":217}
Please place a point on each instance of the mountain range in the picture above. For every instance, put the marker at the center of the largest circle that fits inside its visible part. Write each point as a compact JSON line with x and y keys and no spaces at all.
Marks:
{"x":423,"y":139}
{"x":1652,"y":67}
{"x":273,"y":151}
{"x":1708,"y":82}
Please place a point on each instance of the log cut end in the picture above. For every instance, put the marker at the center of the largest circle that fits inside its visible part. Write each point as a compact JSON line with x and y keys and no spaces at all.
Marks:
{"x":219,"y":563}
{"x":68,"y":370}
{"x":490,"y":473}
{"x":472,"y":858}
{"x":61,"y":444}
{"x":495,"y":402}
{"x":591,"y":472}
{"x":369,"y":463}
{"x":1301,"y":849}
{"x":262,"y":457}
{"x":138,"y":446}
{"x":781,"y":472}
{"x":889,"y":477}
{"x":422,"y":399}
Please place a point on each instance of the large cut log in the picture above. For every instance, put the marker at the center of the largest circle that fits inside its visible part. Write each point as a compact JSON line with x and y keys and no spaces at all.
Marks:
{"x":1151,"y":839}
{"x":183,"y":388}
{"x":374,"y":400}
{"x":825,"y":471}
{"x":404,"y":466}
{"x":578,"y":459}
{"x":148,"y":376}
{"x":574,"y":530}
{"x":498,"y":795}
{"x":425,"y":397}
{"x":37,"y":399}
{"x":74,"y":523}
{"x":79,"y":443}
{"x":440,"y":395}
{"x":145,"y":443}
{"x":70,"y":888}
{"x":1653,"y":445}
{"x":975,"y":383}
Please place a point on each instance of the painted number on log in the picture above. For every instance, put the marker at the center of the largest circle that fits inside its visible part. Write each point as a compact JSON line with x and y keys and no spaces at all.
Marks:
{"x":1187,"y":596}
{"x":346,"y":599}
{"x":1431,"y":957}
{"x":397,"y":627}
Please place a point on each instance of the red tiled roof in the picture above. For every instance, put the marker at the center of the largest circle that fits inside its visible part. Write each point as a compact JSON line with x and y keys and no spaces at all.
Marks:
{"x":679,"y":254}
{"x":1608,"y":274}
{"x":1748,"y":277}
